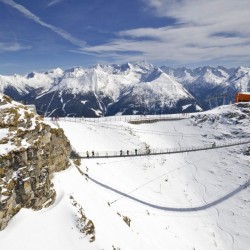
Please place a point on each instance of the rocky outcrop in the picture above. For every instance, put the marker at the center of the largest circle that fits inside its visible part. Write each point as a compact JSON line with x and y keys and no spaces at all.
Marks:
{"x":30,"y":152}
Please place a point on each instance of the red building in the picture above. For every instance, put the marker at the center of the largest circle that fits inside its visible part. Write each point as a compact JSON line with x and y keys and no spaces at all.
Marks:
{"x":242,"y":97}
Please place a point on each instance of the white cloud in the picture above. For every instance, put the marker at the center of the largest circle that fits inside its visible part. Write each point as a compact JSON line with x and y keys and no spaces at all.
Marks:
{"x":12,"y":47}
{"x":36,"y":19}
{"x":203,"y":11}
{"x":204,"y":30}
{"x":54,"y":2}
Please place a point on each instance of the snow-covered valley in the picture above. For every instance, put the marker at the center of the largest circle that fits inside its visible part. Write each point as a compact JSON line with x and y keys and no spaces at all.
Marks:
{"x":196,"y":200}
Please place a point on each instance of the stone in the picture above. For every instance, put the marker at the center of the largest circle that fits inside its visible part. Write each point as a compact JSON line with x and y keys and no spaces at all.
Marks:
{"x":26,"y":170}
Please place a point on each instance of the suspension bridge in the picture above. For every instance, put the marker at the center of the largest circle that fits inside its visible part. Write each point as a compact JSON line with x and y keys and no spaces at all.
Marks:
{"x":149,"y":152}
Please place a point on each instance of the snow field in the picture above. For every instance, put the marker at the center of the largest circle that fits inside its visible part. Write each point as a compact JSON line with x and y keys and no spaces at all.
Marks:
{"x":184,"y":189}
{"x":197,"y":200}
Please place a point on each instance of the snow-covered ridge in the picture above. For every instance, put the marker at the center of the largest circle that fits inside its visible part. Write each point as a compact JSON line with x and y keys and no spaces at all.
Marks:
{"x":116,"y":75}
{"x":131,"y":88}
{"x":107,"y":79}
{"x":208,"y":83}
{"x":100,"y":90}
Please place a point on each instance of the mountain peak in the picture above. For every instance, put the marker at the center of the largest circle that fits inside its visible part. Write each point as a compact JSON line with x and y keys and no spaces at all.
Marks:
{"x":243,"y":69}
{"x":74,"y":72}
{"x":57,"y":71}
{"x":144,"y":65}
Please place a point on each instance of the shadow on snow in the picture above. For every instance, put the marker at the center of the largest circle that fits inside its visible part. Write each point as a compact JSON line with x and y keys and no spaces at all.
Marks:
{"x":176,"y":209}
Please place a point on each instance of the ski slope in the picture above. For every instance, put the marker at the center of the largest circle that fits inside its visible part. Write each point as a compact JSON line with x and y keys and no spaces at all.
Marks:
{"x":197,"y":200}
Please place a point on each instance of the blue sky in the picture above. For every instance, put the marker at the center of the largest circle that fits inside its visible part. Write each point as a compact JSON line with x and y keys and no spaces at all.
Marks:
{"x":40,"y":35}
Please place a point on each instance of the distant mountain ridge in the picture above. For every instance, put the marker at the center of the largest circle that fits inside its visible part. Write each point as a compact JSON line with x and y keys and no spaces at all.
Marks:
{"x":138,"y":88}
{"x":209,"y":83}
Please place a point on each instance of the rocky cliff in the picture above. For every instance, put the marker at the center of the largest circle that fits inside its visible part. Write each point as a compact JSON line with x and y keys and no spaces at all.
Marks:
{"x":30,"y":152}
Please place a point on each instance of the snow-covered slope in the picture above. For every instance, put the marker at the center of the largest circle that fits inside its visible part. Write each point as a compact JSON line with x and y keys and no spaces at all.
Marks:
{"x":211,"y":85}
{"x":202,"y":75}
{"x":156,"y":93}
{"x":197,"y":200}
{"x":241,"y":79}
{"x":201,"y":82}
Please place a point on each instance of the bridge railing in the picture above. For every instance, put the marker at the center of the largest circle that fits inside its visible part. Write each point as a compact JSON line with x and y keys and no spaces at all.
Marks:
{"x":136,"y":119}
{"x":144,"y":152}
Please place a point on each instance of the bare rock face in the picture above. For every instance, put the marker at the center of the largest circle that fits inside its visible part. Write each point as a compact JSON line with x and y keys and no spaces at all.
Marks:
{"x":30,"y":152}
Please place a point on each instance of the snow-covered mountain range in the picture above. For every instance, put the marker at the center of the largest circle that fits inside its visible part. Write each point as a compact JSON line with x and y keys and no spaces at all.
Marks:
{"x":212,"y":86}
{"x":138,"y":88}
